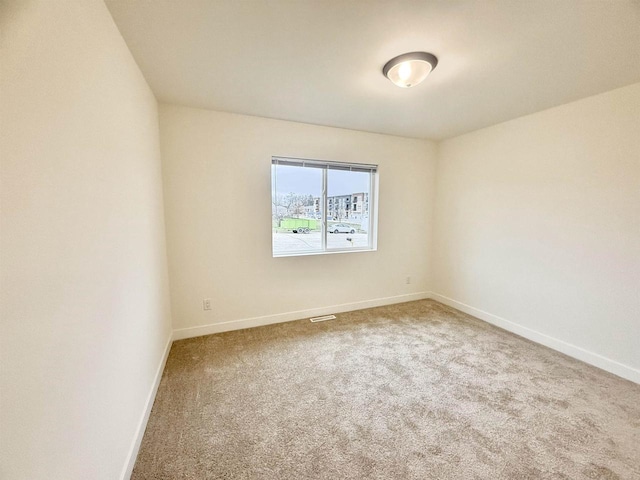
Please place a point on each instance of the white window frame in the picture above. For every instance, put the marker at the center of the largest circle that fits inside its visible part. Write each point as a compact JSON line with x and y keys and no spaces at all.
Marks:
{"x":327,"y":165}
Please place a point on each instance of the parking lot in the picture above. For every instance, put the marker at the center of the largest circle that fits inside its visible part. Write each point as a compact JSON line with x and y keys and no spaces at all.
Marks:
{"x":299,"y":242}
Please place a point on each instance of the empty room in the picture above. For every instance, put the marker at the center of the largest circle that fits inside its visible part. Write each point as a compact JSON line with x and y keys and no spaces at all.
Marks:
{"x":319,"y":239}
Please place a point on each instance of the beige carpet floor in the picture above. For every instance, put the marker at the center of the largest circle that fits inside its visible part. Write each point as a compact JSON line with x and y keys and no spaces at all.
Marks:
{"x":410,"y":391}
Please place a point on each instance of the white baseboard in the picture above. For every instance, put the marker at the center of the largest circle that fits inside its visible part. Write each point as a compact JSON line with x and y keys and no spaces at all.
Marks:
{"x":579,"y":353}
{"x":142,"y":425}
{"x":190,"y":332}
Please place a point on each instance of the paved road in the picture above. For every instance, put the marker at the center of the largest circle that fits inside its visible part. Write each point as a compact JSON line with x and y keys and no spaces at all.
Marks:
{"x":297,"y":242}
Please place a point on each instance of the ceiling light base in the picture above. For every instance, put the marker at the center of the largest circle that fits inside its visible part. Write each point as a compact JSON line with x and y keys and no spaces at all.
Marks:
{"x":409,"y":69}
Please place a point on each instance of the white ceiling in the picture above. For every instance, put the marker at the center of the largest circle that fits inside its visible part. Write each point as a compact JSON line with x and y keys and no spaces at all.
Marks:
{"x":320,"y":61}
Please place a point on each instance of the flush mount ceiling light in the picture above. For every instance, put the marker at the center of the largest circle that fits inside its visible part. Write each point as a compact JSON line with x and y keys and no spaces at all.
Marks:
{"x":409,"y":69}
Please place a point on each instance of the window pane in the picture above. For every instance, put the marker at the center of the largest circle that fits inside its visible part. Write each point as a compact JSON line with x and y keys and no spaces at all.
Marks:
{"x":348,"y":209}
{"x":296,"y":201}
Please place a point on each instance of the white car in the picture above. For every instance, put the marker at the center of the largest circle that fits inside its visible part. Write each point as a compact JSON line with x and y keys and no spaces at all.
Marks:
{"x":341,"y":228}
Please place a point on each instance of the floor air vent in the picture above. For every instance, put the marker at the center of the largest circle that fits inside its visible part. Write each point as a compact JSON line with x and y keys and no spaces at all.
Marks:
{"x":323,"y":318}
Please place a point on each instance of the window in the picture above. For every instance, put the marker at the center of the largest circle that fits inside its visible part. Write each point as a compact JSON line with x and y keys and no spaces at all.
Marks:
{"x":314,"y":206}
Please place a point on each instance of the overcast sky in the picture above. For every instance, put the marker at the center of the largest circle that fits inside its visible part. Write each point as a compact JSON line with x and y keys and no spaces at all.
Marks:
{"x":308,"y":181}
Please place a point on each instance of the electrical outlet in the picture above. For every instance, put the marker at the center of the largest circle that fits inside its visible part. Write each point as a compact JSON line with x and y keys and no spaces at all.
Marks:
{"x":206,"y":304}
{"x":408,"y":280}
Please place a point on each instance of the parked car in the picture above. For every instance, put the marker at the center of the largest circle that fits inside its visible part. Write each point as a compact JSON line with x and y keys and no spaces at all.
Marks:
{"x":341,"y":228}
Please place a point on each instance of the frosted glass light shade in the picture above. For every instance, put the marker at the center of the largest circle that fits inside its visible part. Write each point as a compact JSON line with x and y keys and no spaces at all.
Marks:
{"x":410,"y":69}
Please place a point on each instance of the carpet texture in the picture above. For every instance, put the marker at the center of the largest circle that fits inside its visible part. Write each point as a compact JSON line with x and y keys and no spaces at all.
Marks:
{"x":410,"y":391}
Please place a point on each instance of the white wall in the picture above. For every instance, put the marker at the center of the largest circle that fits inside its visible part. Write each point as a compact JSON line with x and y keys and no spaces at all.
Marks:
{"x":85,"y":316}
{"x":538,"y":223}
{"x":217,"y":185}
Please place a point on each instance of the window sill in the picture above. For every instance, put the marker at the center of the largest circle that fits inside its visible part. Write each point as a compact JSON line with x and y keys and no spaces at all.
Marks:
{"x":326,"y":252}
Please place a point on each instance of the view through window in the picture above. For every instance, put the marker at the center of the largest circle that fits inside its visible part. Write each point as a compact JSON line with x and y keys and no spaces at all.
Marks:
{"x":321,"y":206}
